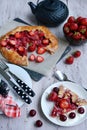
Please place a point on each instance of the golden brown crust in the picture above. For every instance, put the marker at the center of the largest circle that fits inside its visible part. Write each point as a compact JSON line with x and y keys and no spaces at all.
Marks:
{"x":14,"y":57}
{"x":66,"y":93}
{"x":61,"y":91}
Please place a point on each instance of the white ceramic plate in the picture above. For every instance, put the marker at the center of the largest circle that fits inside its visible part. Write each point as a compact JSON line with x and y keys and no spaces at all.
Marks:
{"x":23,"y":75}
{"x":47,"y":106}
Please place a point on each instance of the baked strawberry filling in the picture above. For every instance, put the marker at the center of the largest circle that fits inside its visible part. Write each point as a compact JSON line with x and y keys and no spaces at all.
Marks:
{"x":26,"y":41}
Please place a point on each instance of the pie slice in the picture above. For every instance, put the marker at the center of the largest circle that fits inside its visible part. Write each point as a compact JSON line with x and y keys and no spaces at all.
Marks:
{"x":16,"y":44}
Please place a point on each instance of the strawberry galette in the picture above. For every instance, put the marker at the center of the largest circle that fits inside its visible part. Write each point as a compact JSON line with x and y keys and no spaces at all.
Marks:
{"x":16,"y":44}
{"x":66,"y":103}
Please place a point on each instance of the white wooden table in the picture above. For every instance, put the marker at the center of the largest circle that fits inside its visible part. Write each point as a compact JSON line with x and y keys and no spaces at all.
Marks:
{"x":10,"y":9}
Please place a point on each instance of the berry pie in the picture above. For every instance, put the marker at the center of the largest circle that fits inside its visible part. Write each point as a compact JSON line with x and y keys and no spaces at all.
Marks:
{"x":65,"y":101}
{"x":16,"y":44}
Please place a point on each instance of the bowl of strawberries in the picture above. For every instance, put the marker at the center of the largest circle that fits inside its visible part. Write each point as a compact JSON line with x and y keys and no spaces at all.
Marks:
{"x":75,"y":30}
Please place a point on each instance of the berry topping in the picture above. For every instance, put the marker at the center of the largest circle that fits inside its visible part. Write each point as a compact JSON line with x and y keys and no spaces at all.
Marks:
{"x":32,"y":47}
{"x":64,"y":104}
{"x":46,"y":41}
{"x":21,"y":50}
{"x":32,"y":112}
{"x":3,"y":43}
{"x":31,"y":33}
{"x":39,"y":123}
{"x":18,"y":35}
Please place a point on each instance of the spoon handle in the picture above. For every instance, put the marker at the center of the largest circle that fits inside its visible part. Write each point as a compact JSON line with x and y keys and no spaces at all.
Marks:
{"x":70,"y":81}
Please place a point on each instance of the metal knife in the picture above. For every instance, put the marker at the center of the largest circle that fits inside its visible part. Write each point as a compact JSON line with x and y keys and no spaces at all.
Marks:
{"x":18,"y":90}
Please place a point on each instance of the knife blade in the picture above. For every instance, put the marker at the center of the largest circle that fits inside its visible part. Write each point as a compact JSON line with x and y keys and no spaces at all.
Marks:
{"x":17,"y":89}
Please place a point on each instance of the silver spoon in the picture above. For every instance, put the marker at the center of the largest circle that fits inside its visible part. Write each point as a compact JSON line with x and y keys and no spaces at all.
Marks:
{"x":63,"y":77}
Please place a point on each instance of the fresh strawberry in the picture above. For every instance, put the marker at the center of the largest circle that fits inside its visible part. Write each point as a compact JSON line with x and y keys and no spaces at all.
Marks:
{"x":64,"y":104}
{"x":70,"y":34}
{"x":82,"y":29}
{"x":86,"y":34}
{"x":32,"y":47}
{"x":40,"y":50}
{"x":66,"y":28}
{"x":83,"y":37}
{"x":18,"y":35}
{"x":3,"y":43}
{"x":46,"y":41}
{"x":32,"y":57}
{"x":78,"y":20}
{"x":77,"y":36}
{"x":84,"y":21}
{"x":39,"y":59}
{"x":73,"y":26}
{"x":77,"y":54}
{"x":71,"y":19}
{"x":69,"y":60}
{"x":52,"y":96}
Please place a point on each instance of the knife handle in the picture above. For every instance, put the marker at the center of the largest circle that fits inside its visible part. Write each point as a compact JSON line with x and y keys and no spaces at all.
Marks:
{"x":25,"y":87}
{"x":20,"y":92}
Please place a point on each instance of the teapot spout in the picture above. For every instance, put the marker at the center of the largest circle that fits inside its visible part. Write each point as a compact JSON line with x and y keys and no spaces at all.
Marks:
{"x":32,"y":6}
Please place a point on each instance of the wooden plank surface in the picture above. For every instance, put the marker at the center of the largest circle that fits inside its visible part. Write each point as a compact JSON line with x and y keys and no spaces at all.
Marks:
{"x":10,"y":9}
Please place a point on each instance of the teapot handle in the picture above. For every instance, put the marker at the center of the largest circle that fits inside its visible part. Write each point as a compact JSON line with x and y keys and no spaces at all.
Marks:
{"x":39,"y":0}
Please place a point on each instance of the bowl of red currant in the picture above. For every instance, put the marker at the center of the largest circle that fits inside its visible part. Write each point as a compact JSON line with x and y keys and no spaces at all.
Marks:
{"x":75,"y":30}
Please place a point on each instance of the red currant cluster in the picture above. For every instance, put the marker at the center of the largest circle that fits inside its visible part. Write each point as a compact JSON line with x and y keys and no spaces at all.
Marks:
{"x":70,"y":59}
{"x":32,"y":113}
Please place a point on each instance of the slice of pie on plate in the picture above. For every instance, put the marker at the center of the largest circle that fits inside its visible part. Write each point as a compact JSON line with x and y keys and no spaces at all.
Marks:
{"x":15,"y":45}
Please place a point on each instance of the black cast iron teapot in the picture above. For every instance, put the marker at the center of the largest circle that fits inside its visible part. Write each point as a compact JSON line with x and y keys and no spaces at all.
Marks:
{"x":50,"y":12}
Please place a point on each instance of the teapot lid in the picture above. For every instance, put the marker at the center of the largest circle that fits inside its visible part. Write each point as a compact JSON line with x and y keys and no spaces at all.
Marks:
{"x":51,"y":4}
